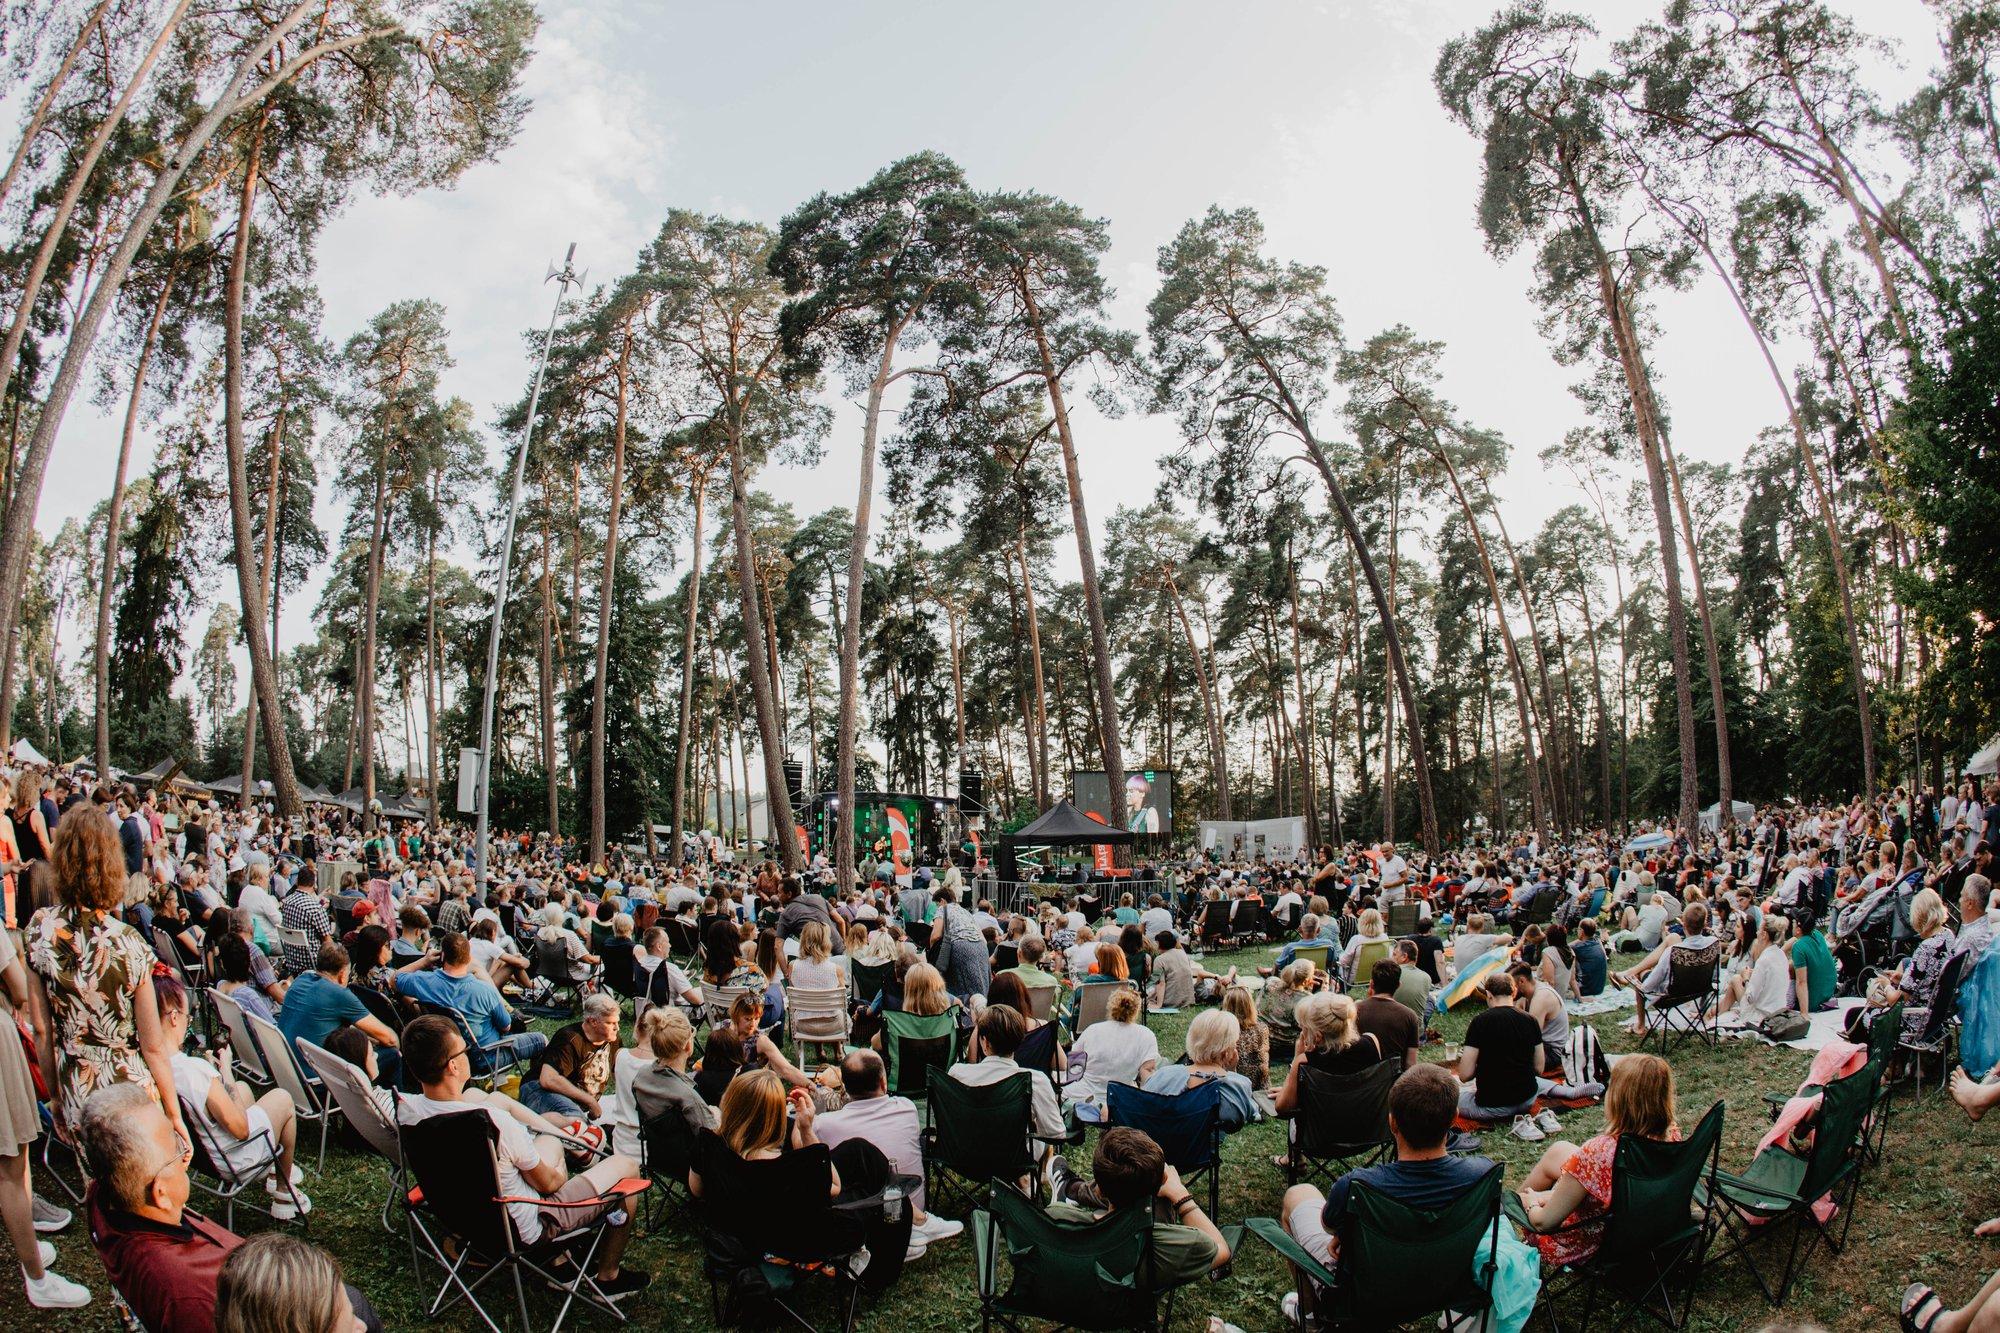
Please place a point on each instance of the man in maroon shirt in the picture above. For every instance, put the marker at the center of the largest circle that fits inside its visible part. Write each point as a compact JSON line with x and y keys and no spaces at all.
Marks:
{"x":162,"y":1257}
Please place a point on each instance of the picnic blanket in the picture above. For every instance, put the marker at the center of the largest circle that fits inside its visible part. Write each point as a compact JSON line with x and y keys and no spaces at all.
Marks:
{"x":1612,"y":998}
{"x":1556,"y":1100}
{"x":1821,"y":1028}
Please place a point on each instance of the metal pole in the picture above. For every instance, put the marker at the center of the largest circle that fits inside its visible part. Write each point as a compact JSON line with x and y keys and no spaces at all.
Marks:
{"x":562,"y":278}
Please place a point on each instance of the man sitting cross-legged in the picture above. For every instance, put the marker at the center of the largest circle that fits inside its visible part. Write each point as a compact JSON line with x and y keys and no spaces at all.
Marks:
{"x":1422,"y":1105}
{"x":436,"y":1057}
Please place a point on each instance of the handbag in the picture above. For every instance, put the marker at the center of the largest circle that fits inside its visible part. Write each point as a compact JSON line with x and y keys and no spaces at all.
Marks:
{"x":1787,"y":1026}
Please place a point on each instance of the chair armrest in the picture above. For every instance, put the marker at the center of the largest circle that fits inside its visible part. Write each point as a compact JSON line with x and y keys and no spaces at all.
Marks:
{"x":1744,"y":1184}
{"x":985,"y":1252}
{"x":624,"y":1189}
{"x":1272,"y":1233}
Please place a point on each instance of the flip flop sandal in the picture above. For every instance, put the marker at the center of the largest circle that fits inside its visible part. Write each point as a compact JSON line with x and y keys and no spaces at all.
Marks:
{"x":1921,"y":1308}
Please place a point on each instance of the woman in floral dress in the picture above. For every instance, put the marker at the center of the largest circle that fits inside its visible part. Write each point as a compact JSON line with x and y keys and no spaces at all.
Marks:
{"x":1916,"y":982}
{"x":90,"y":981}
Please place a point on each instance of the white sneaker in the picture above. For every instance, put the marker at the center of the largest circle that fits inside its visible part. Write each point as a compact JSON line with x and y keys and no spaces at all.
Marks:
{"x":1289,"y":1307}
{"x":919,"y":1243}
{"x":285,"y":1207}
{"x":55,"y":1292}
{"x":1545,"y":1120}
{"x":1526,"y":1128}
{"x":937,"y":1228}
{"x":275,"y":1186}
{"x":46,"y":1252}
{"x":48,"y":1217}
{"x":859,"y":1263}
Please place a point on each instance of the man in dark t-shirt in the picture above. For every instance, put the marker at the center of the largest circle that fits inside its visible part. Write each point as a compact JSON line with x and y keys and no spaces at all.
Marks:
{"x":1423,"y":1174}
{"x":1503,"y":1052}
{"x":1391,"y":1022}
{"x":573,"y":1072}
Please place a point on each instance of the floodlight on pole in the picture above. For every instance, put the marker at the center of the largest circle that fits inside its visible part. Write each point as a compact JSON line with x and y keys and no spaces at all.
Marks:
{"x":564,"y":278}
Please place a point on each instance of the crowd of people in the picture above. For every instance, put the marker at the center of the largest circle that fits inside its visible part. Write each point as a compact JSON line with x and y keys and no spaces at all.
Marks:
{"x":378,"y":946}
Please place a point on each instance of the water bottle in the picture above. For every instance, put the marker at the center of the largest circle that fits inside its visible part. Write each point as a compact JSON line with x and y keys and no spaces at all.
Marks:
{"x":892,"y":1203}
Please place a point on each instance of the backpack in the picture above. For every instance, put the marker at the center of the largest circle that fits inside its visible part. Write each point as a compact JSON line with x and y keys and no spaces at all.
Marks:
{"x":1787,"y":1026}
{"x":1583,"y":1058}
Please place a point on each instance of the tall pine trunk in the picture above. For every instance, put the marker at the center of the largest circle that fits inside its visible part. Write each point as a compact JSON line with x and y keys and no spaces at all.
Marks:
{"x":114,"y":524}
{"x":1711,"y":649}
{"x":606,"y":591}
{"x":692,"y":611}
{"x":778,"y":815}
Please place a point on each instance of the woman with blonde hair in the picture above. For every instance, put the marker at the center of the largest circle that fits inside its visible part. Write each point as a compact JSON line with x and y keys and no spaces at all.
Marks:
{"x":90,"y":982}
{"x":1253,"y":1040}
{"x":813,"y":969}
{"x":1569,"y":1190}
{"x":1330,"y":1041}
{"x":1278,"y":1006}
{"x":1916,"y":982}
{"x":1368,"y":930}
{"x":276,"y":1283}
{"x":924,"y":993}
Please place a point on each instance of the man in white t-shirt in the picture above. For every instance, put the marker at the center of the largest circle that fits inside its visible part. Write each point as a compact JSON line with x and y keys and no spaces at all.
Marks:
{"x":1156,"y":917}
{"x":1393,"y":868}
{"x":530,"y":1168}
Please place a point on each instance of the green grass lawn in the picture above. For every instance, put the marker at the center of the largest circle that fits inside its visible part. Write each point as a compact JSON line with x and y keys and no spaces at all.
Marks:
{"x":1915,"y":1219}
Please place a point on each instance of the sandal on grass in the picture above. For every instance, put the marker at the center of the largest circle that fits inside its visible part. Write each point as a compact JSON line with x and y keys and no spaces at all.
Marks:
{"x":1921,"y":1308}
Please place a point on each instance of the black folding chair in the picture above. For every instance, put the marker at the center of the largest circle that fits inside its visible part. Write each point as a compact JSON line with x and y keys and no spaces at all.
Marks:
{"x":458,"y":1201}
{"x":666,"y":1150}
{"x":1342,"y":1120}
{"x":1693,"y":994}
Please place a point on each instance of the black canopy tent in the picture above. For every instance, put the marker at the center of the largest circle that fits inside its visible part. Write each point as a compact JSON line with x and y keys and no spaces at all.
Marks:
{"x":1063,"y":825}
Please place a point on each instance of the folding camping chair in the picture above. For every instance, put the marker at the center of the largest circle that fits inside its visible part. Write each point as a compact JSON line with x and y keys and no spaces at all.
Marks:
{"x":1693,"y":983}
{"x":1655,"y":1228}
{"x":233,"y":1177}
{"x":666,"y":1150}
{"x":356,"y":1097}
{"x":912,"y":1044}
{"x":1398,"y":1264}
{"x":1042,"y":1001}
{"x":974,"y":1135}
{"x":1186,"y":1125}
{"x":1781,"y":1185}
{"x":1093,"y":1004}
{"x":241,"y":1044}
{"x":1940,"y":1031}
{"x":310,"y":1101}
{"x":458,"y":1199}
{"x":868,"y":979}
{"x":1342,"y":1120}
{"x":1402,"y":919}
{"x":1095,"y":1275}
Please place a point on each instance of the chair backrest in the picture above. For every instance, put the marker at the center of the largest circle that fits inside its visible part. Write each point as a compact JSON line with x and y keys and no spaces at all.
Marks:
{"x":868,"y":979}
{"x":1090,"y":1275}
{"x":356,"y":1100}
{"x":716,"y":1001}
{"x":283,"y":1063}
{"x":1006,"y":954}
{"x":981,"y":1132}
{"x":1341,"y":1115}
{"x":1093,"y":1004}
{"x":683,"y":940}
{"x":1691,"y":972}
{"x":211,"y":1155}
{"x":1403,"y":918}
{"x":1542,"y":907}
{"x":1944,"y":1005}
{"x":234,"y":1022}
{"x":163,"y":949}
{"x":1653,"y":1186}
{"x":379,"y":1006}
{"x":1038,"y":1049}
{"x":912,"y":1044}
{"x":817,"y":1013}
{"x":1365,"y":959}
{"x":453,"y":1158}
{"x":1042,"y":1001}
{"x":1316,"y":954}
{"x":1187,"y":1125}
{"x":1399,"y":1263}
{"x":1215,"y":918}
{"x":552,"y":960}
{"x":668,"y":1144}
{"x":1843,"y":1108}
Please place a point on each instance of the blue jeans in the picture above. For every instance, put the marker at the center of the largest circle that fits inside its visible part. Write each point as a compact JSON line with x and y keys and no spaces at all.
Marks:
{"x":541,"y":1101}
{"x":1468,"y":1103}
{"x":525,"y":1045}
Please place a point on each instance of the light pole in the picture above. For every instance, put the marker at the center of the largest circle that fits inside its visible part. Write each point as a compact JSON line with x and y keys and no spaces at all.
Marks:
{"x":562,"y":277}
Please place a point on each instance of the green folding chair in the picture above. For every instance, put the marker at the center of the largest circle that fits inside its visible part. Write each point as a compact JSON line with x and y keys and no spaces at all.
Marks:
{"x":1365,"y":959}
{"x":1398,"y":1264}
{"x":1653,"y":1232}
{"x":974,"y":1135}
{"x":1316,"y":954}
{"x":913,"y":1044}
{"x":1094,"y":1275}
{"x":1780,"y":1185}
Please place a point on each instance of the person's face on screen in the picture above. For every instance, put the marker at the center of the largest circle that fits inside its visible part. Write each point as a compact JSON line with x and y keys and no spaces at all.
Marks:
{"x":1135,"y":795}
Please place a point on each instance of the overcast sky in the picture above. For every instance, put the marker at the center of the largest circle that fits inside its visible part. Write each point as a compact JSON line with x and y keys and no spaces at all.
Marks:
{"x":1322,"y":117}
